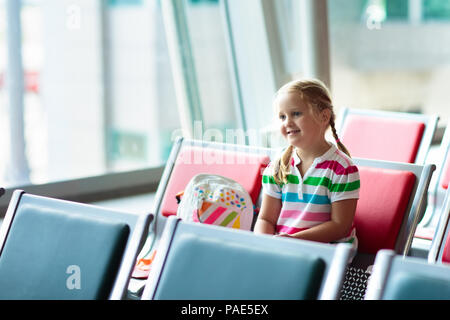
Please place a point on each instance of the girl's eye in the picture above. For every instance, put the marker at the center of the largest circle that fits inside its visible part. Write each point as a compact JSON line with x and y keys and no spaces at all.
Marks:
{"x":282,"y":116}
{"x":296,"y":113}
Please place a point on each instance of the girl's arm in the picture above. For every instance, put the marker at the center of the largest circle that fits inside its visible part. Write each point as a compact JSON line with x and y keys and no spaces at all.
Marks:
{"x":342,"y":214}
{"x":268,"y":215}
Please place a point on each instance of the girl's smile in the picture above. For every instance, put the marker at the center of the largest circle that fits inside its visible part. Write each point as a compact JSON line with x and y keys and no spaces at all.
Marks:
{"x":292,"y":132}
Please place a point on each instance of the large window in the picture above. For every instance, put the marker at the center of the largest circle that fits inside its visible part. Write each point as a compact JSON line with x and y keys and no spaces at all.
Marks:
{"x":139,"y":88}
{"x":391,"y":54}
{"x":60,"y":54}
{"x":109,"y":84}
{"x":99,"y":94}
{"x":3,"y":111}
{"x":208,"y":38}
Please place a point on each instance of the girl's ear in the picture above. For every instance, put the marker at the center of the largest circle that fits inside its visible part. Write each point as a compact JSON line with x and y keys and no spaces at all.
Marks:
{"x":325,"y":115}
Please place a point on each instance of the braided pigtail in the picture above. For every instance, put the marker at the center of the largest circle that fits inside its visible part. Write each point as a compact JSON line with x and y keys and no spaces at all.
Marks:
{"x":283,"y":166}
{"x":335,"y":135}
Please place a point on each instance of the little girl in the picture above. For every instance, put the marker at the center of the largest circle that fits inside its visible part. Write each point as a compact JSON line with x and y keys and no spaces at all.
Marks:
{"x":311,"y":191}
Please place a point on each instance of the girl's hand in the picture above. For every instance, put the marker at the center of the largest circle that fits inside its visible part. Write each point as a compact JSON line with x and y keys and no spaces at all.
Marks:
{"x":283,"y":234}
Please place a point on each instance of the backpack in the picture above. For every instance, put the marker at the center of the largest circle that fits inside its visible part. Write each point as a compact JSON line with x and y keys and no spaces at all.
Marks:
{"x":210,"y":199}
{"x":214,"y":199}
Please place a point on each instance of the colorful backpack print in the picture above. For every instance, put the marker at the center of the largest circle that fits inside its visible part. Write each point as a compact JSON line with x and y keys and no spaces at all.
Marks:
{"x":214,"y":199}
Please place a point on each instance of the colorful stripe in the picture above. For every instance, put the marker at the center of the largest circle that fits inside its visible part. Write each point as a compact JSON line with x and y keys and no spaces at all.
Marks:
{"x":337,"y":187}
{"x":289,"y":230}
{"x":351,"y":240}
{"x":228,"y":219}
{"x":215,"y":215}
{"x":305,"y":215}
{"x":307,"y":198}
{"x":268,"y":179}
{"x":293,"y":179}
{"x":205,"y":206}
{"x":202,"y":210}
{"x":237,"y":223}
{"x":336,"y":167}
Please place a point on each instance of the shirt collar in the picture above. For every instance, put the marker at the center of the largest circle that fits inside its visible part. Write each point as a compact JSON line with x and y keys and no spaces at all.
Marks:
{"x":326,"y":155}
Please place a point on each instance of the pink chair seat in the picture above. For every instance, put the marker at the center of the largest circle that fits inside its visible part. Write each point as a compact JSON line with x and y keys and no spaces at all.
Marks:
{"x":245,"y":168}
{"x":446,"y":252}
{"x":382,"y":205}
{"x":382,"y":138}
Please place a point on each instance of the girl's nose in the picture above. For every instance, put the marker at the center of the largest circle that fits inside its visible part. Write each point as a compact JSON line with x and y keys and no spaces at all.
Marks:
{"x":287,"y":120}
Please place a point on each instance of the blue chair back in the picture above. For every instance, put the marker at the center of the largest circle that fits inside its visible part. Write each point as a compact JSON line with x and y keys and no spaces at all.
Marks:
{"x":196,"y":261}
{"x":55,"y":249}
{"x":407,"y":278}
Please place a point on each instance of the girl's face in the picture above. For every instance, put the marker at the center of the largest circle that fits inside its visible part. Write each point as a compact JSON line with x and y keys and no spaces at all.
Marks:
{"x":300,"y":124}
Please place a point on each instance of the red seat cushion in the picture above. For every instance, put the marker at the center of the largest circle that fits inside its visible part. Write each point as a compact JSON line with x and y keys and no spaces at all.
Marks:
{"x":243,"y":167}
{"x":446,"y":252}
{"x":384,"y":197}
{"x":446,"y":174}
{"x":382,"y":138}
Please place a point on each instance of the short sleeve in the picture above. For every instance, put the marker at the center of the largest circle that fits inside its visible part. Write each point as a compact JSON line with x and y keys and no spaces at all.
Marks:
{"x":269,"y":185}
{"x":345,"y":185}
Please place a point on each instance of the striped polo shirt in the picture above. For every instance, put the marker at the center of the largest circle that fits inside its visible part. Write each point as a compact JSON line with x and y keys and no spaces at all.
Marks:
{"x":306,"y":201}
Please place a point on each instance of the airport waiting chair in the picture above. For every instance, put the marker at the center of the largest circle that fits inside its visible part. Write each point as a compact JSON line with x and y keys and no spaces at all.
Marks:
{"x":241,"y":163}
{"x":392,"y":201}
{"x":437,"y":191}
{"x":207,"y":262}
{"x":396,"y":277}
{"x":440,"y":246}
{"x":387,"y":135}
{"x":56,"y":249}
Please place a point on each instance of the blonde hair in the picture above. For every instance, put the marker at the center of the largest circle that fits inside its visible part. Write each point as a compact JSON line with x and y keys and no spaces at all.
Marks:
{"x":315,"y":93}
